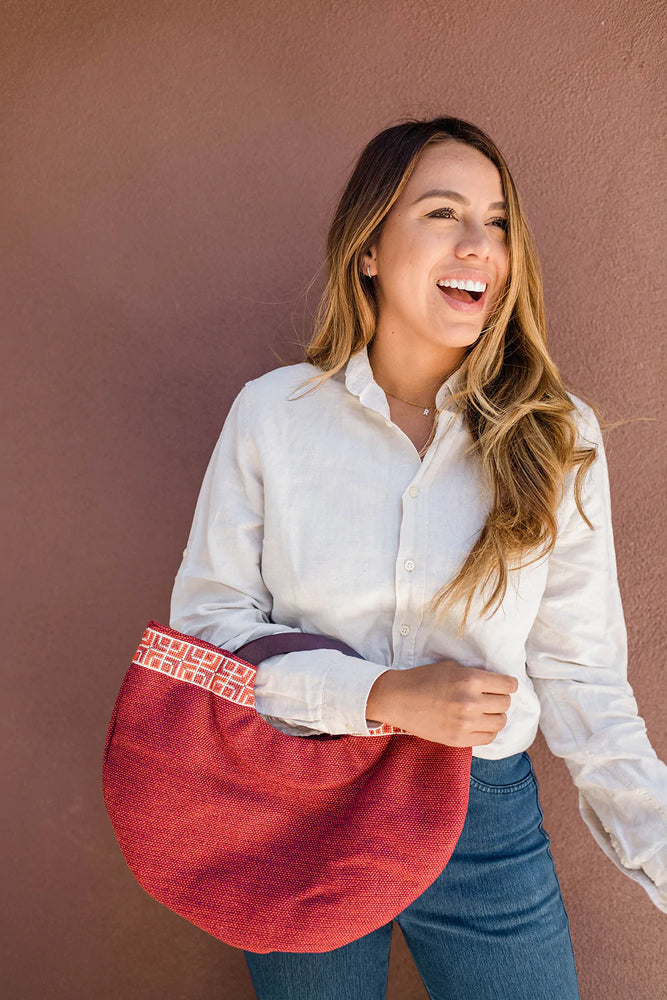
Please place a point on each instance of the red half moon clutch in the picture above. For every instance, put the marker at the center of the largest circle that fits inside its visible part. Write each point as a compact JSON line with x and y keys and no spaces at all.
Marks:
{"x":267,"y":841}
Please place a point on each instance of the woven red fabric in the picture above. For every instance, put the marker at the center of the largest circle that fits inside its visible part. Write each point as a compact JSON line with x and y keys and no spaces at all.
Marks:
{"x":267,"y":841}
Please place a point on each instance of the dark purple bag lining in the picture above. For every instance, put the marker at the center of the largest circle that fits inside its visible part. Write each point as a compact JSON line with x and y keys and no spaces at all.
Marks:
{"x":292,"y":642}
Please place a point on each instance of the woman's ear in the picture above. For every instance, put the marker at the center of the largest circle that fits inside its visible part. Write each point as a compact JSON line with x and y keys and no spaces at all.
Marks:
{"x":368,"y":260}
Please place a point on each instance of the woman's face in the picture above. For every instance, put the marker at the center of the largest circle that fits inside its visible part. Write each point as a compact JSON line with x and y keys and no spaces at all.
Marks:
{"x":458,"y":233}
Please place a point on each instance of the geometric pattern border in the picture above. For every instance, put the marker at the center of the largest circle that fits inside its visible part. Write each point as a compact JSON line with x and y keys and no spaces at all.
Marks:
{"x":186,"y":660}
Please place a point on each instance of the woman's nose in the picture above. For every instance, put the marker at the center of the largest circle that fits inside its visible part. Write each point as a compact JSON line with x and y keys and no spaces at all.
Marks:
{"x":475,"y":240}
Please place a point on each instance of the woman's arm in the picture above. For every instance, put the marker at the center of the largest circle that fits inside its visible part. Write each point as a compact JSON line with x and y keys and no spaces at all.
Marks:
{"x":576,"y":656}
{"x":219,"y":593}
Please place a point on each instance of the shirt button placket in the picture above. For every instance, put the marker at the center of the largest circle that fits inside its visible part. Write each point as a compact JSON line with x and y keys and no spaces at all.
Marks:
{"x":405,"y":586}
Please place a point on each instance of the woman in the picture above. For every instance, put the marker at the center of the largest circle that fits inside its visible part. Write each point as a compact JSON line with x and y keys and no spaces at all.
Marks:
{"x":424,"y":489}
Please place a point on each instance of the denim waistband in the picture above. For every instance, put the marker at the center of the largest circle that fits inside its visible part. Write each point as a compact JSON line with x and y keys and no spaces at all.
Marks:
{"x":503,"y":771}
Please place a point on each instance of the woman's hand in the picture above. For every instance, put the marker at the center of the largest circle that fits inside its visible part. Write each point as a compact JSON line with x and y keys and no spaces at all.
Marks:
{"x":444,"y":702}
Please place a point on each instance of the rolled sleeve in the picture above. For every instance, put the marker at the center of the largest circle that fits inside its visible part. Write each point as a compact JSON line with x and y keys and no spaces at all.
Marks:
{"x":322,"y":689}
{"x":576,"y":657}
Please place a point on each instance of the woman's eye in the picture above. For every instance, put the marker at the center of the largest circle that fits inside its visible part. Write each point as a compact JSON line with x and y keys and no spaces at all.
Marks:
{"x":500,"y":223}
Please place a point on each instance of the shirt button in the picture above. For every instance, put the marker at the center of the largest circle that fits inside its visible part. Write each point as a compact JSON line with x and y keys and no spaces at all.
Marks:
{"x":409,"y":565}
{"x":413,"y":491}
{"x":404,"y":630}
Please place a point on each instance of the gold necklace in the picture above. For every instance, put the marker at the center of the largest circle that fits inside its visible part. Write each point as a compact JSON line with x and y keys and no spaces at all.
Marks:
{"x":424,"y":448}
{"x":426,"y":410}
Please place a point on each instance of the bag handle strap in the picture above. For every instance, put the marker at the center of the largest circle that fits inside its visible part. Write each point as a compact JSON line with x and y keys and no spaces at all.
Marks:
{"x":289,"y":642}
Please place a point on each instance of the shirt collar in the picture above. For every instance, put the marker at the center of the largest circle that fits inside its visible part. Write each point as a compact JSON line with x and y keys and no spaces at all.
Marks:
{"x":360,"y":382}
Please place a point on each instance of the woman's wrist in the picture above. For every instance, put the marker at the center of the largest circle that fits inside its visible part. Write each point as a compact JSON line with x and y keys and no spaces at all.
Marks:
{"x":381,"y":699}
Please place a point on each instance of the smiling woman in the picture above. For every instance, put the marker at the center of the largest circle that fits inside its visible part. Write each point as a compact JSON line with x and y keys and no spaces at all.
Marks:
{"x":424,"y":489}
{"x":430,"y":213}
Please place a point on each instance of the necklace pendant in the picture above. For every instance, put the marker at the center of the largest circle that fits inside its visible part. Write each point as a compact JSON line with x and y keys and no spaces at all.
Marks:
{"x":427,"y":411}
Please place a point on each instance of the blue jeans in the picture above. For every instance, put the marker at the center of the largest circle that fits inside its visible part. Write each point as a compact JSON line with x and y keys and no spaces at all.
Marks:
{"x":492,"y":926}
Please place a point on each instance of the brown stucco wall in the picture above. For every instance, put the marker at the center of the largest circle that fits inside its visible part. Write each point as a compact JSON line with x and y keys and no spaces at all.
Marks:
{"x":170,"y":169}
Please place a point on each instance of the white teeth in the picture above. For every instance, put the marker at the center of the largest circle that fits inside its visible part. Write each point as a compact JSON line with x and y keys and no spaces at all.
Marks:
{"x":470,"y":286}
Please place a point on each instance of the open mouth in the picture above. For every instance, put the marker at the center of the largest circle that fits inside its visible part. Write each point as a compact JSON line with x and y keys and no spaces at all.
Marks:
{"x":462,"y":300}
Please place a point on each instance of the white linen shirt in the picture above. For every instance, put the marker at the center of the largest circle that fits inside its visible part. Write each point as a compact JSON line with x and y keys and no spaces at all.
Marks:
{"x":316,"y":514}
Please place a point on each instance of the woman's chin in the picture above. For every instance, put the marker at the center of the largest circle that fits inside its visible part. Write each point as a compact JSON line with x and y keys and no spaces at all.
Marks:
{"x":460,"y":334}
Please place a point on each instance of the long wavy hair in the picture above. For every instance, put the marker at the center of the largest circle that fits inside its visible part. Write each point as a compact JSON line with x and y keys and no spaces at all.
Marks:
{"x":512,"y":398}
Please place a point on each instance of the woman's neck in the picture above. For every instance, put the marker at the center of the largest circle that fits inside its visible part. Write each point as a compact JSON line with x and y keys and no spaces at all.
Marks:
{"x":417,"y":377}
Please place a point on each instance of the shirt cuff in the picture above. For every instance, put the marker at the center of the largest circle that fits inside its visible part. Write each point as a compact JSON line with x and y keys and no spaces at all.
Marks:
{"x":345,"y":694}
{"x":321,"y":689}
{"x":652,"y":875}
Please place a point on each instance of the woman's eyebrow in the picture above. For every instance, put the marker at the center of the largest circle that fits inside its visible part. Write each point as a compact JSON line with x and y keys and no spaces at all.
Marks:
{"x":455,"y":196}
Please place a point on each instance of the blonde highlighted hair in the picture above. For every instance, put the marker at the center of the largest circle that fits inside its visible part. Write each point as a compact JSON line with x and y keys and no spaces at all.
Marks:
{"x":512,"y":398}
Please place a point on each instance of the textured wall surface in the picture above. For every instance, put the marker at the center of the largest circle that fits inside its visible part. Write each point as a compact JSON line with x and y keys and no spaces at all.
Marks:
{"x":169,"y":172}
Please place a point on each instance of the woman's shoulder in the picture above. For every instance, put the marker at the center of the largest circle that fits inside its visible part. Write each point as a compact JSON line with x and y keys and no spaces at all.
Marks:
{"x":282,"y":380}
{"x":282,"y":399}
{"x":287,"y":384}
